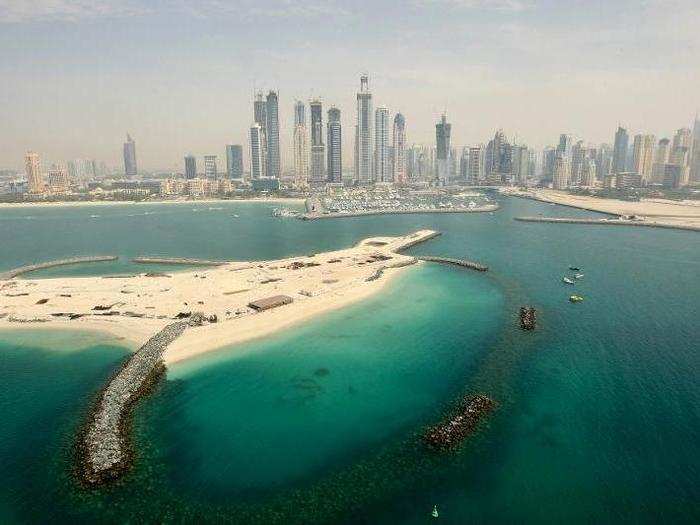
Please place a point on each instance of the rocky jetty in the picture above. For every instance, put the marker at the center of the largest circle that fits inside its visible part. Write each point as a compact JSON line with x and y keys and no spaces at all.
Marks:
{"x":464,"y":263}
{"x":103,"y":448}
{"x":450,"y":433}
{"x":528,"y":318}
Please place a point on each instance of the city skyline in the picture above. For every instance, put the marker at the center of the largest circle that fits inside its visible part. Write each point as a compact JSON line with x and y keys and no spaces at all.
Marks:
{"x":472,"y":77}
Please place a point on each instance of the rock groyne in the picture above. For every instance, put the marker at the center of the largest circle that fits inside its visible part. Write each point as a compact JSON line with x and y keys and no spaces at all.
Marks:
{"x":10,"y":274}
{"x":608,"y":222}
{"x":450,"y":433}
{"x":104,"y":450}
{"x":456,"y":262}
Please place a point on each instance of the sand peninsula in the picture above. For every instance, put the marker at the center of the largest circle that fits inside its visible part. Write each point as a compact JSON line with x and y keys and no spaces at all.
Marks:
{"x":646,"y":212}
{"x":135,"y":307}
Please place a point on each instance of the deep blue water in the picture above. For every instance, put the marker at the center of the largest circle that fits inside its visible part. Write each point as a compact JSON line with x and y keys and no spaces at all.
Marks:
{"x":598,"y":418}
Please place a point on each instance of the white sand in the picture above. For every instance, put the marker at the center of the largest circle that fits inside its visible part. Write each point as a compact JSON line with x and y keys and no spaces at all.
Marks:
{"x":224,"y":291}
{"x":654,"y":211}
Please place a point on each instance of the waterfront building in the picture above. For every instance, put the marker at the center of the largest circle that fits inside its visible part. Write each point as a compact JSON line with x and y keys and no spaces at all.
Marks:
{"x":604,"y":157}
{"x":643,"y":156}
{"x":272,"y":134}
{"x":562,"y":172}
{"x":234,"y":161}
{"x":628,"y":180}
{"x":661,"y":158}
{"x":520,"y":164}
{"x":130,"y":168}
{"x":695,"y":152}
{"x":57,"y":178}
{"x":335,"y":157}
{"x":578,"y":155}
{"x":680,"y":153}
{"x":260,"y":118}
{"x":382,"y":162}
{"x":257,"y":151}
{"x":210,"y":171}
{"x":363,"y":133}
{"x":190,"y":167}
{"x":549,"y":156}
{"x":498,"y":159}
{"x":318,"y":150}
{"x":589,"y":173}
{"x":619,"y":161}
{"x":475,"y":171}
{"x":565,"y":145}
{"x":32,"y":167}
{"x":673,"y":176}
{"x":443,"y":131}
{"x":301,"y":151}
{"x":399,"y":150}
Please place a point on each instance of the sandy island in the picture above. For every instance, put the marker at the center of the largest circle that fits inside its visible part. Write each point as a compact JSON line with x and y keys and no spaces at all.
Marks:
{"x":652,"y":212}
{"x":133,"y":308}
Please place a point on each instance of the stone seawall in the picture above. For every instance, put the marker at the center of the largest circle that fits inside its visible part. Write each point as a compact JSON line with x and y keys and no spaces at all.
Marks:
{"x":607,"y":222}
{"x":103,"y":448}
{"x":456,"y":262}
{"x":10,"y":274}
{"x":177,"y":260}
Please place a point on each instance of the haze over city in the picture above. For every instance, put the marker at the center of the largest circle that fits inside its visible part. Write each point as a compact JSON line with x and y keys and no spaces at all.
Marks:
{"x":181,"y":76}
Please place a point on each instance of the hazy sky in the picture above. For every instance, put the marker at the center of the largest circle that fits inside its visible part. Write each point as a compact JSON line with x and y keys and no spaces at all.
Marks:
{"x":179,"y":74}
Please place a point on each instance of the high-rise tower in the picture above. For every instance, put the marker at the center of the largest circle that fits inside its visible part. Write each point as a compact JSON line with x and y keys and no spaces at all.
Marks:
{"x":443,"y":130}
{"x":363,"y":133}
{"x":643,"y":156}
{"x":234,"y":161}
{"x":335,"y":158}
{"x":382,"y":163}
{"x":260,"y":118}
{"x":399,"y":149}
{"x":318,"y":161}
{"x":32,"y":167}
{"x":130,"y":157}
{"x":273,"y":135}
{"x":620,"y":151}
{"x":190,"y":167}
{"x":301,"y":150}
{"x":257,"y":149}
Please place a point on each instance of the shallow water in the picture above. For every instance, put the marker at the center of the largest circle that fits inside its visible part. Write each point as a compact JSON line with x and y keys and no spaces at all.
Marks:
{"x":598,"y":409}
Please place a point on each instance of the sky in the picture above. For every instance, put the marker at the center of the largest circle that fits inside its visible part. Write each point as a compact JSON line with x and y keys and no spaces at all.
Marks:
{"x":179,"y":75}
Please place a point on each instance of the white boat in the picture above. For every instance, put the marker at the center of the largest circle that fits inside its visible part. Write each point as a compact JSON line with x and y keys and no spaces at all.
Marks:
{"x":567,"y":280}
{"x":435,"y":513}
{"x":579,"y":276}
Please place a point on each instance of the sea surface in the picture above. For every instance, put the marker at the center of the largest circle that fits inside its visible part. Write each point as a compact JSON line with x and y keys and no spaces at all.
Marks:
{"x":598,"y":416}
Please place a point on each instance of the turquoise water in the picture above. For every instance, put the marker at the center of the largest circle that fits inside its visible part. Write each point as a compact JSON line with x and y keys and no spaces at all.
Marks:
{"x":598,"y":409}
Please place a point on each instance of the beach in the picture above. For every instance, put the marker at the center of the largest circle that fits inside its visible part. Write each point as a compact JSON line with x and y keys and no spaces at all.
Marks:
{"x":684,"y":214}
{"x":135,"y":307}
{"x":68,"y":204}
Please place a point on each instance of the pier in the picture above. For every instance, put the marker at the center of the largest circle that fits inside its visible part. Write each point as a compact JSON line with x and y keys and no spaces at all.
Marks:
{"x":464,"y":263}
{"x":103,"y":448}
{"x":177,"y":260}
{"x":607,"y":222}
{"x":11,"y":274}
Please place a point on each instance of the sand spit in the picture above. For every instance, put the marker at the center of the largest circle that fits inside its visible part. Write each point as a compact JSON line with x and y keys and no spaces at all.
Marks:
{"x":136,"y":307}
{"x":650,"y":212}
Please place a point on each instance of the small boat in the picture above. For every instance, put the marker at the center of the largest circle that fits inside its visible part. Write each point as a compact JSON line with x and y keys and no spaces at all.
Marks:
{"x":575,"y":298}
{"x":435,"y":513}
{"x":567,"y":280}
{"x":235,"y":216}
{"x":574,"y":268}
{"x":579,"y":276}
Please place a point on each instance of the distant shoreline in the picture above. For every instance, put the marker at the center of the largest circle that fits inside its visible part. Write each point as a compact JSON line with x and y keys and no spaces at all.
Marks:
{"x":68,"y":204}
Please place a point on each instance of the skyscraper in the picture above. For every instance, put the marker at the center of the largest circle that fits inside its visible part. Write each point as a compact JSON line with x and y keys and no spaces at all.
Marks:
{"x":520,"y":161}
{"x":565,"y":145}
{"x":680,"y":154}
{"x":130,"y":157}
{"x":273,"y":136}
{"x":620,"y":150}
{"x":443,"y":131}
{"x":190,"y":167}
{"x":382,"y":163}
{"x":695,"y":152}
{"x":257,"y":150}
{"x":335,"y":159}
{"x":210,"y":170}
{"x":32,"y":168}
{"x":318,"y":161}
{"x":301,"y":151}
{"x":497,"y":164}
{"x":562,"y":171}
{"x":260,"y":118}
{"x":234,"y":161}
{"x":399,"y":149}
{"x":363,"y":133}
{"x":475,"y":169}
{"x":643,"y":156}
